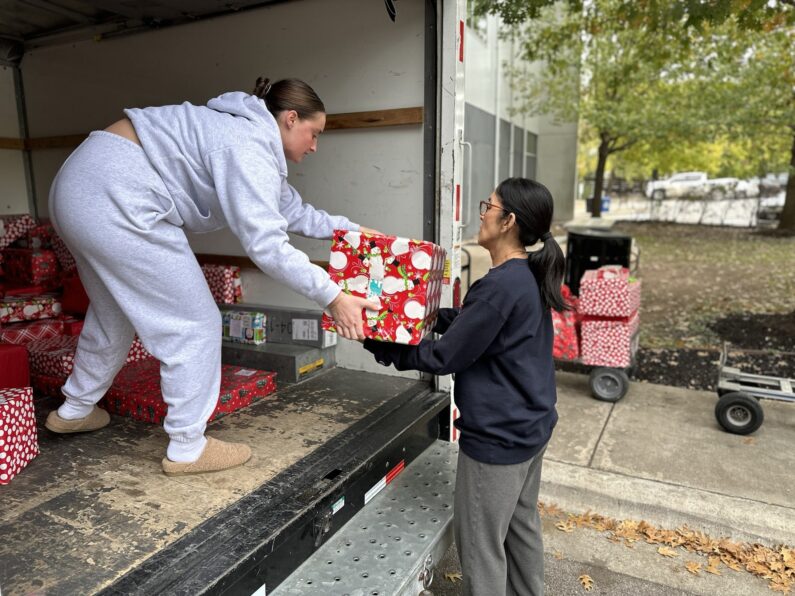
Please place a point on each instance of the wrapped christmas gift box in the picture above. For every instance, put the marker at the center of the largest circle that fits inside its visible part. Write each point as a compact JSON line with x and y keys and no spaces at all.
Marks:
{"x":65,"y":258}
{"x":74,"y":300}
{"x":224,"y":282}
{"x":72,"y":325}
{"x":404,"y":276}
{"x":609,"y":342}
{"x":246,"y":327}
{"x":14,"y":367}
{"x":39,"y":236}
{"x":135,"y":392}
{"x":609,"y":291}
{"x":18,"y":440}
{"x":565,"y":344}
{"x":56,"y":356}
{"x":47,"y":385}
{"x":30,"y":266}
{"x":14,"y":227}
{"x":29,"y":308}
{"x":29,"y":331}
{"x":16,"y":289}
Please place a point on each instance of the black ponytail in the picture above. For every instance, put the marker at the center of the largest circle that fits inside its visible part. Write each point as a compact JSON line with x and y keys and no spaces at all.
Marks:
{"x":533,"y":206}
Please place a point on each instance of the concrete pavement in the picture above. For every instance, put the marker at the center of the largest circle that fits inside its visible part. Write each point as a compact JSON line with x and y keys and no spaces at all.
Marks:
{"x":659,"y":455}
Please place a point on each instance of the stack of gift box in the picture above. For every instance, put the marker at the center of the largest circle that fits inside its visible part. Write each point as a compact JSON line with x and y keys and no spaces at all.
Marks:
{"x":607,"y":315}
{"x":42,"y":306}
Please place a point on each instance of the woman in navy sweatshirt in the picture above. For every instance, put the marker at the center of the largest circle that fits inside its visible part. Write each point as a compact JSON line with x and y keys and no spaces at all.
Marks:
{"x":499,"y":346}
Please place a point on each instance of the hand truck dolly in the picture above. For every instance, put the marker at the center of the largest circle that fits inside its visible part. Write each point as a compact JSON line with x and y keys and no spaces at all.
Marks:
{"x":738,"y":409}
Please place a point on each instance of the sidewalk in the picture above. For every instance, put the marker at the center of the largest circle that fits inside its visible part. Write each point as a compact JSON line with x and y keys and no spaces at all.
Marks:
{"x":659,"y":455}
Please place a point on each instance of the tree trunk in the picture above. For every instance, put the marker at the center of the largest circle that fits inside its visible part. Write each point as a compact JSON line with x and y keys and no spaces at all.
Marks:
{"x":604,"y":152}
{"x":787,"y":220}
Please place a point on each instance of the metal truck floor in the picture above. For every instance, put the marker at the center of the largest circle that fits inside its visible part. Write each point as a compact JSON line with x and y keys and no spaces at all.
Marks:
{"x":92,"y":507}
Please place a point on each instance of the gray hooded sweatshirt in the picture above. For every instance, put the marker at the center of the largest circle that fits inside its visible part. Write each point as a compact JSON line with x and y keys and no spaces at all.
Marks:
{"x":224,"y":165}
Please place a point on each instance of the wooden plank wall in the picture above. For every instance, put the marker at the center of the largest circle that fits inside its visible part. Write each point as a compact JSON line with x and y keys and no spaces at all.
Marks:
{"x":352,"y":120}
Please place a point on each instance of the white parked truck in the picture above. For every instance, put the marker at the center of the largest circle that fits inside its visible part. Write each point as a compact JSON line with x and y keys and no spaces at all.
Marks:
{"x":349,"y":489}
{"x":679,"y":185}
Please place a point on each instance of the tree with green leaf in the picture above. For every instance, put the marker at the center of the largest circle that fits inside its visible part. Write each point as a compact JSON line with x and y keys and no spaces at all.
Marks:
{"x":621,"y":96}
{"x":725,"y":72}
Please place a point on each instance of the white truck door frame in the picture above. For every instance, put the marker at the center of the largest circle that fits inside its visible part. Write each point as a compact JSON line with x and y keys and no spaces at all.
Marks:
{"x":451,"y":89}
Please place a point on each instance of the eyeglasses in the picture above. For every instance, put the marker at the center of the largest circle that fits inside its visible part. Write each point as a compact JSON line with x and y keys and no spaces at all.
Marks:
{"x":486,"y":205}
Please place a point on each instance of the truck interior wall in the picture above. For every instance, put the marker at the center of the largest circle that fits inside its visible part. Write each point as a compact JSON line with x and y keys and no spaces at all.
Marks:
{"x":348,"y":50}
{"x":14,"y":197}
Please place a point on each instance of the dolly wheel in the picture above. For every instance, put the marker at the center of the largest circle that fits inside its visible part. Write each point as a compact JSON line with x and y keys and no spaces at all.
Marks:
{"x":608,"y":384}
{"x":739,"y":413}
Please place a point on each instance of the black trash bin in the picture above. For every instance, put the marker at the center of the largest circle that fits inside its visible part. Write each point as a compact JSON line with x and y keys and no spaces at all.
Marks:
{"x":588,"y":248}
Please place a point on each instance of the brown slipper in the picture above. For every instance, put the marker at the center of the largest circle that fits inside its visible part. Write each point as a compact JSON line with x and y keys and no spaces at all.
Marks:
{"x":217,"y":456}
{"x":98,"y":418}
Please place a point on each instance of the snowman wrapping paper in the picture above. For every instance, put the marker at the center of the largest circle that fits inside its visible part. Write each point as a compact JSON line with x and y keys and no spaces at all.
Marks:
{"x":404,"y":276}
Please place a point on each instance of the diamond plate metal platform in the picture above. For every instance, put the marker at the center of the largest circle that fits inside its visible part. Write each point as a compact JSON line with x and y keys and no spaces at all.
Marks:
{"x":391,"y":546}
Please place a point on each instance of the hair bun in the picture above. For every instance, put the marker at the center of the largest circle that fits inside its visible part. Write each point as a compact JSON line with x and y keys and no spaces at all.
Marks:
{"x":262,"y":87}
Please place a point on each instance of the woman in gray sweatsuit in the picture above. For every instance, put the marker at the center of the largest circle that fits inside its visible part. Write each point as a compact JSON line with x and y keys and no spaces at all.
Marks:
{"x":122,"y":202}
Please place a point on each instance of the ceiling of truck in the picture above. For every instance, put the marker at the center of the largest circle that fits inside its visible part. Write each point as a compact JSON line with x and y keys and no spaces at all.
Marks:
{"x":30,"y":23}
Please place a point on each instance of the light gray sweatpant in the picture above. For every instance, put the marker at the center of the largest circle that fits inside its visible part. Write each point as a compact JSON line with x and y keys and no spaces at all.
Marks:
{"x":112,"y":210}
{"x":497,"y":527}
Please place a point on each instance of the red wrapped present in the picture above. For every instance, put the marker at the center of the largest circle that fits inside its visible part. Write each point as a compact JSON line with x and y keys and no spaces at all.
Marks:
{"x":74,"y":300}
{"x":27,"y":265}
{"x":14,"y":371}
{"x":609,"y":291}
{"x":39,"y":236}
{"x":565,"y":344}
{"x":56,"y":356}
{"x":224,"y":282}
{"x":14,"y":227}
{"x":44,"y":287}
{"x":28,"y":331}
{"x":47,"y":385}
{"x":609,"y":342}
{"x":136,"y":391}
{"x":18,"y":440}
{"x":72,"y":325}
{"x":29,"y":308}
{"x":65,"y":258}
{"x":404,"y":276}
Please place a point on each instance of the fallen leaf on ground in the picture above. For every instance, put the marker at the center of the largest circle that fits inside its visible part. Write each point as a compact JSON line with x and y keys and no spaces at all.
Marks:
{"x":565,"y":526}
{"x":749,"y":440}
{"x":453,"y":577}
{"x":667,"y":552}
{"x":693,"y":567}
{"x":587,"y":582}
{"x":557,"y":554}
{"x":713,"y":565}
{"x":778,"y":586}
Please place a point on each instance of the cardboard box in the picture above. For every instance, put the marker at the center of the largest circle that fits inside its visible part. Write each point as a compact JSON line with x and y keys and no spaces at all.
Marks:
{"x":290,"y":362}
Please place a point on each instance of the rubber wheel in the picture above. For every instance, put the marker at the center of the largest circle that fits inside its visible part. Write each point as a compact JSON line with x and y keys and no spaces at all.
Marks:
{"x":608,"y":384}
{"x":739,"y":413}
{"x":658,"y":195}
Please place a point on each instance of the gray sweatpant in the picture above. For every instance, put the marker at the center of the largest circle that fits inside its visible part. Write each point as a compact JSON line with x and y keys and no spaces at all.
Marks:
{"x":497,"y":527}
{"x":116,"y":216}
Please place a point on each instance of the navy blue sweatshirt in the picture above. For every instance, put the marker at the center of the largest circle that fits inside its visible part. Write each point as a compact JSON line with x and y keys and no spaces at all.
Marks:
{"x":499,"y":346}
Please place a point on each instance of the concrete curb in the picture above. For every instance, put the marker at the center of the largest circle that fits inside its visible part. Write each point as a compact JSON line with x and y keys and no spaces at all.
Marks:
{"x":577,"y":489}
